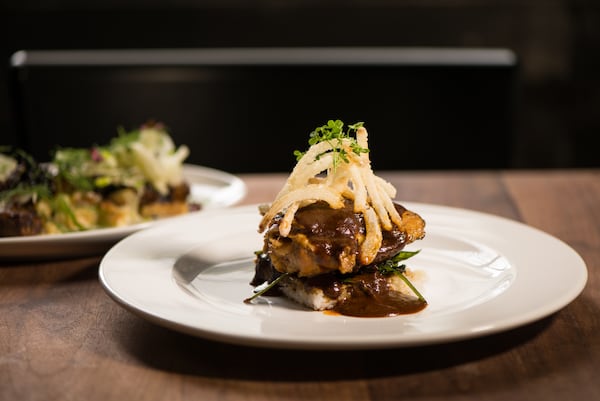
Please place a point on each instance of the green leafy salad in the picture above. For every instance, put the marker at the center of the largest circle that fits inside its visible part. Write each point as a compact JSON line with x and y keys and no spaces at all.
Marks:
{"x":136,"y":177}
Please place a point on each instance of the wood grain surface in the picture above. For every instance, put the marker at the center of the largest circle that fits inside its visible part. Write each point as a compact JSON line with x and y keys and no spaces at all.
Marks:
{"x":63,"y":338}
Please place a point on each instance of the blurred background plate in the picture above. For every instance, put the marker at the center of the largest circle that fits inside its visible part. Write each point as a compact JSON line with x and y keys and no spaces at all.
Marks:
{"x":210,"y":187}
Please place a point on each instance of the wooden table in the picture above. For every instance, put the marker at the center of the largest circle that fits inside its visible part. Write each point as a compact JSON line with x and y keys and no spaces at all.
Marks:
{"x":63,"y":338}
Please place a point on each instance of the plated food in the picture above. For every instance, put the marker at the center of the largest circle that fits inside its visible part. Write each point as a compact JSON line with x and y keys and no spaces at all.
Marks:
{"x":137,"y":177}
{"x":334,"y":238}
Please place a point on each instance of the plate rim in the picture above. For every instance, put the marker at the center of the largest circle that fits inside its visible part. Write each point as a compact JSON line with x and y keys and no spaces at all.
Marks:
{"x":567,"y":297}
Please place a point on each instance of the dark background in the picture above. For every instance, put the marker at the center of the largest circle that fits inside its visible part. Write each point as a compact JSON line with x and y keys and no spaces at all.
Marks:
{"x":557,"y":44}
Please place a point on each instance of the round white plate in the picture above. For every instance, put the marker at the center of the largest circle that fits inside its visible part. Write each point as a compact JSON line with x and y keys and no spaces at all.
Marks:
{"x":209,"y":187}
{"x":481,"y":274}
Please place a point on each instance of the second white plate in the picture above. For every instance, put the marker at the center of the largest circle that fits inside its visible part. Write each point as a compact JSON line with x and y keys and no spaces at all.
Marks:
{"x":481,"y":275}
{"x":211,"y":188}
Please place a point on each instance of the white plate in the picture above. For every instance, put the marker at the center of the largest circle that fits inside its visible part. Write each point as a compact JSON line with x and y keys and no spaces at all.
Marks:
{"x":481,"y":274}
{"x":209,"y":187}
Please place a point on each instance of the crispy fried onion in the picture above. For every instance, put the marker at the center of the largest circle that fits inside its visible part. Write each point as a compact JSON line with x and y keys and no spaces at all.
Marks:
{"x":354,"y":180}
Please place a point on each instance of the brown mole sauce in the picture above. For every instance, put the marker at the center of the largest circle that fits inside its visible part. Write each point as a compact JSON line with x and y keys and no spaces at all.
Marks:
{"x":330,"y":231}
{"x":369,"y":295}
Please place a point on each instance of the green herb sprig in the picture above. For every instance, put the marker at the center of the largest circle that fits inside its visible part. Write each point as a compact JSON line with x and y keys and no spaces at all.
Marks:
{"x":394,"y":265}
{"x":333,"y":132}
{"x":264,"y":290}
{"x":26,"y":191}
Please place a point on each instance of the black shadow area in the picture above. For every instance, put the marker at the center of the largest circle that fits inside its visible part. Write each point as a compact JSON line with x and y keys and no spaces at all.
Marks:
{"x":172,"y":351}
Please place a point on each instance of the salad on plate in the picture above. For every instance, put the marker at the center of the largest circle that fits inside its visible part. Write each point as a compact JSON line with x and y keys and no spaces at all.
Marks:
{"x":136,"y":177}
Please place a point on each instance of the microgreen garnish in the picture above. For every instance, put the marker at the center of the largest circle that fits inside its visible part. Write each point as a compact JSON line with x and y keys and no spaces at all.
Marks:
{"x":262,"y":291}
{"x":394,"y":265}
{"x":333,"y":132}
